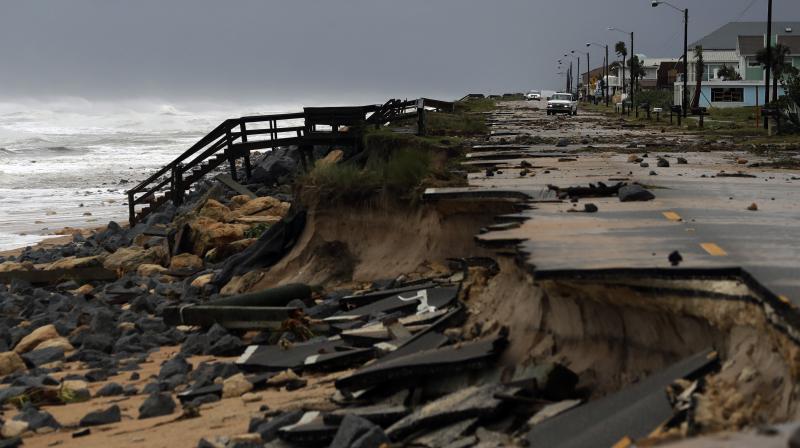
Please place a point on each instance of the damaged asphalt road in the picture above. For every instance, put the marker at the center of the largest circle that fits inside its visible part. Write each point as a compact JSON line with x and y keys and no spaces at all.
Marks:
{"x":642,"y":319}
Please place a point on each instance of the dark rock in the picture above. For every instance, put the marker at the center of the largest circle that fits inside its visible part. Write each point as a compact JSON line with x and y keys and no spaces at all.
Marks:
{"x":297,"y":383}
{"x":39,"y":357}
{"x":216,"y":332}
{"x":644,"y":165}
{"x":205,"y":373}
{"x":152,"y":388}
{"x":37,"y":419}
{"x":663,"y":163}
{"x":96,"y":375}
{"x":653,"y":173}
{"x":110,"y":390}
{"x":110,"y":415}
{"x":203,"y":443}
{"x":228,"y":345}
{"x":195,"y":344}
{"x":157,"y":405}
{"x":675,"y":258}
{"x":682,"y":161}
{"x":97,"y":341}
{"x":13,"y":442}
{"x":203,"y":399}
{"x":81,"y":433}
{"x":275,"y":164}
{"x":562,"y":142}
{"x":631,"y":193}
{"x":590,"y":208}
{"x":175,"y":366}
{"x":355,"y":431}
{"x":130,"y":390}
{"x":104,"y":322}
{"x":174,"y":381}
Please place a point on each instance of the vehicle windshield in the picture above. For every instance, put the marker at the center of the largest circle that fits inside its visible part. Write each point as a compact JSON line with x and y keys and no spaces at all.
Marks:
{"x":562,"y":96}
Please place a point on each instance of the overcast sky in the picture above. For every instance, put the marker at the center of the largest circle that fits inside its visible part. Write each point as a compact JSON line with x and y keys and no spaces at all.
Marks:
{"x":303,"y":50}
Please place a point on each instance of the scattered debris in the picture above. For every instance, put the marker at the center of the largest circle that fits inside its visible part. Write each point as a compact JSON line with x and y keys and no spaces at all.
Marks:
{"x":600,"y":190}
{"x":630,"y":193}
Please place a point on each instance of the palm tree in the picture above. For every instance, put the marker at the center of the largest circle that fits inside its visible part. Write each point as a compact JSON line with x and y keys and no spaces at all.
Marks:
{"x":622,"y":51}
{"x":729,"y":74}
{"x":779,"y":65}
{"x":637,"y":70}
{"x":699,"y":72}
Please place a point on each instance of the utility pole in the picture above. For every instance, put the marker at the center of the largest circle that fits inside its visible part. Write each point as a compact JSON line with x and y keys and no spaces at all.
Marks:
{"x":655,"y":3}
{"x":633,"y":87}
{"x":685,"y":61}
{"x":570,"y":76}
{"x":768,"y":73}
{"x":588,"y":74}
{"x":607,"y":76}
{"x":605,"y":67}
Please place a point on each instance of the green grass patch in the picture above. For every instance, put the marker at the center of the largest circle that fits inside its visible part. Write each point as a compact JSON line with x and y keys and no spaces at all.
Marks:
{"x":475,"y":105}
{"x":257,"y":230}
{"x":400,"y":173}
{"x":738,"y":115}
{"x":441,"y":123}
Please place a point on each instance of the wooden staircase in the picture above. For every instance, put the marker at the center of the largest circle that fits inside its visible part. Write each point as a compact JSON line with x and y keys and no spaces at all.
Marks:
{"x":234,"y":138}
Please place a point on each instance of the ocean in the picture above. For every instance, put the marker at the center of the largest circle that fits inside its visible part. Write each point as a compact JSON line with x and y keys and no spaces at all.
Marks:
{"x":68,"y":162}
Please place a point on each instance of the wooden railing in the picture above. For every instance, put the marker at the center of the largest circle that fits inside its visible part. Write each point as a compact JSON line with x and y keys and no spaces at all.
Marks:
{"x":235,"y":138}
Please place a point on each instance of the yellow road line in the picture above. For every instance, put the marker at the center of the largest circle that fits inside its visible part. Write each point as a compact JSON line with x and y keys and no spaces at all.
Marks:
{"x":672,"y":216}
{"x":713,"y":249}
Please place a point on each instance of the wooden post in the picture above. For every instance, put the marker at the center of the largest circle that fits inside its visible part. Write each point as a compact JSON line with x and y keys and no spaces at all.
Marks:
{"x":421,"y":118}
{"x":247,"y":167}
{"x":229,"y":153}
{"x":131,"y":210}
{"x":176,"y":179}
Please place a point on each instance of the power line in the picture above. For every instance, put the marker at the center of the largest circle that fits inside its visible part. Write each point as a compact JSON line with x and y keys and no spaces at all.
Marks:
{"x":753,"y":2}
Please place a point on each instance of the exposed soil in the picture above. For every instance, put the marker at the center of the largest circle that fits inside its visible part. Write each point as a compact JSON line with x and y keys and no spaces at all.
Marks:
{"x":357,"y":244}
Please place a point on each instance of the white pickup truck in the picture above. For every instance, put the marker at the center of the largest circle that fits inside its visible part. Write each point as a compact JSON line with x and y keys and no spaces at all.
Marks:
{"x":533,"y":95}
{"x":562,"y":103}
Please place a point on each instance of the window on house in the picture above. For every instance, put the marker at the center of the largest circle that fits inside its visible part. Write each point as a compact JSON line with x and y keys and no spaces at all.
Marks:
{"x":752,"y":63}
{"x":730,"y":95}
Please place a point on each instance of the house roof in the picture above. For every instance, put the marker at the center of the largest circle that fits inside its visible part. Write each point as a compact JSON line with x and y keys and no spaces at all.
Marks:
{"x":793,"y":42}
{"x":656,"y":62}
{"x":725,"y":38}
{"x":711,"y":56}
{"x":750,"y":45}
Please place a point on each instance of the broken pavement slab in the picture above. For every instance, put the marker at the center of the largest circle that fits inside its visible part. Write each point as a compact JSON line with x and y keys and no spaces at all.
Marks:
{"x":633,"y":412}
{"x":311,"y":429}
{"x":467,"y":403}
{"x":379,"y":414}
{"x":417,"y":301}
{"x":320,"y":355}
{"x":464,"y":356}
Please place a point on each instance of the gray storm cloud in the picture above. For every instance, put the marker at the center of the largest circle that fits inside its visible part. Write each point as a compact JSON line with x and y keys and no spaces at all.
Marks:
{"x":283,"y":49}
